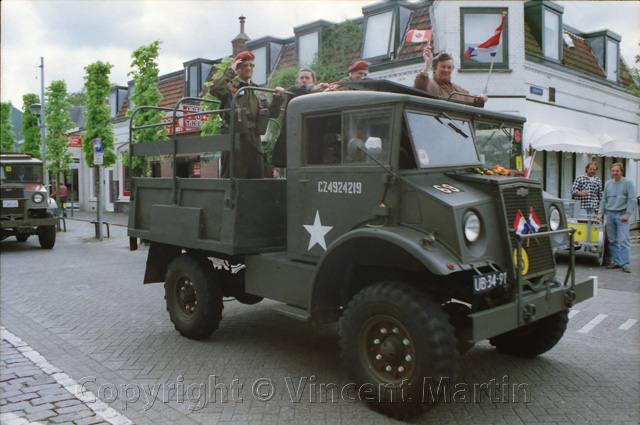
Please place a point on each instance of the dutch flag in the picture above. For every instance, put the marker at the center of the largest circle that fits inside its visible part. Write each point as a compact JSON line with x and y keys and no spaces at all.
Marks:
{"x":520,"y":224}
{"x":534,"y":223}
{"x":489,"y":46}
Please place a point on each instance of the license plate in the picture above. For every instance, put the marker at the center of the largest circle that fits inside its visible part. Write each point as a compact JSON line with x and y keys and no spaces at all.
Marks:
{"x":489,"y":281}
{"x":12,"y":203}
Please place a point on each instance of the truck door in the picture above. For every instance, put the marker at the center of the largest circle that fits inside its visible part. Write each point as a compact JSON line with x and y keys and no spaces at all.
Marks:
{"x":333,"y":192}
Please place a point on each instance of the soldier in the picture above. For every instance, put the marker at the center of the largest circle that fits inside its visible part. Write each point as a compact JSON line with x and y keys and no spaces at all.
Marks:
{"x":357,"y":71}
{"x":248,"y":160}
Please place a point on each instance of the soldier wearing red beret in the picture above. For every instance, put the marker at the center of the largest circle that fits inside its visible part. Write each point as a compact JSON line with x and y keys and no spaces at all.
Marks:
{"x":248,"y":160}
{"x":357,"y":71}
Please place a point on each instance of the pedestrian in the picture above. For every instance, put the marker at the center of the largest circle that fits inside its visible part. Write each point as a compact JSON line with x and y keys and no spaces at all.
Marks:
{"x":249,"y":158}
{"x":64,"y":194}
{"x":305,"y":84}
{"x":359,"y":70}
{"x":588,"y":189}
{"x":441,"y":84}
{"x":618,"y":205}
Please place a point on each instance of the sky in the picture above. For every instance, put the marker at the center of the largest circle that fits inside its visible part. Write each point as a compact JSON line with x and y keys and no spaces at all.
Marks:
{"x":70,"y":35}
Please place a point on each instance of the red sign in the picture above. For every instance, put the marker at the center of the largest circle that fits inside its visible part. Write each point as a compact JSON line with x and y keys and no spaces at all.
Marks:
{"x":186,"y":125}
{"x":74,"y":141}
{"x":196,"y":169}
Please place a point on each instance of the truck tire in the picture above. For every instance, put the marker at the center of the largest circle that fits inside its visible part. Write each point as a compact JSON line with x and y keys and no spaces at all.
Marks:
{"x":193,"y":296}
{"x":22,"y":237}
{"x":47,"y":234}
{"x":533,"y":339}
{"x":393,"y":334}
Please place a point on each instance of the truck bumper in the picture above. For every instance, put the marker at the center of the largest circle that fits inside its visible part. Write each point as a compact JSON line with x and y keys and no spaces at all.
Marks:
{"x":534,"y":306}
{"x":28,"y":224}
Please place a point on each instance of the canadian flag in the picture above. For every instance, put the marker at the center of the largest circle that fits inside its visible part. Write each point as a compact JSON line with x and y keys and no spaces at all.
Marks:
{"x":418,"y":36}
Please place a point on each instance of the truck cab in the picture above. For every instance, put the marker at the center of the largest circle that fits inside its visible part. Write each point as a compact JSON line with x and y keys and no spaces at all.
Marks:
{"x":384,"y":223}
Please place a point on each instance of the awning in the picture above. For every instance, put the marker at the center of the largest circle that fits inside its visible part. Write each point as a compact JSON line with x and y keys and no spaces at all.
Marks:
{"x":546,"y":137}
{"x":621,"y":148}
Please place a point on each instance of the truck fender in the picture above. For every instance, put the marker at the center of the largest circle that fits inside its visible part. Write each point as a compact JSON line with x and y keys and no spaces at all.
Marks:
{"x":395,"y":247}
{"x":158,"y":259}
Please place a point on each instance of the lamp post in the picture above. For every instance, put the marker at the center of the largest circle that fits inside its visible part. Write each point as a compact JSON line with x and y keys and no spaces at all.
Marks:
{"x":36,"y":109}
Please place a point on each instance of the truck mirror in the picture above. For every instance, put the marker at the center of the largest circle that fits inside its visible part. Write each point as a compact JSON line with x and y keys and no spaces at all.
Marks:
{"x":354,"y":149}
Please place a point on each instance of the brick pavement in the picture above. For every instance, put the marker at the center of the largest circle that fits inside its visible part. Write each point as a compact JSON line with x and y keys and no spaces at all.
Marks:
{"x":101,"y":327}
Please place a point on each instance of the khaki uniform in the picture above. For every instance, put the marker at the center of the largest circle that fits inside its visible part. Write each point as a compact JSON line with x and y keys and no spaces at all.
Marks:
{"x":248,"y":160}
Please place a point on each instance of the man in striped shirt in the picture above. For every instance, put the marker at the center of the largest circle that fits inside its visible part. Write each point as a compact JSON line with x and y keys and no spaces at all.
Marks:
{"x":588,"y":189}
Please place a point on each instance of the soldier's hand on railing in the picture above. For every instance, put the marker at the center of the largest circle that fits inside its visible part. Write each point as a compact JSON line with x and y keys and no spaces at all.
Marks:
{"x":279,"y":91}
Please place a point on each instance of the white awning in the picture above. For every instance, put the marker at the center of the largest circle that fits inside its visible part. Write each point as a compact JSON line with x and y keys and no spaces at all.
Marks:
{"x":621,"y":148}
{"x":546,"y":137}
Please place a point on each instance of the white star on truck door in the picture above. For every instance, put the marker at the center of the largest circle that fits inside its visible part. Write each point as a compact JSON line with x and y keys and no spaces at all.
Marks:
{"x":317,"y":232}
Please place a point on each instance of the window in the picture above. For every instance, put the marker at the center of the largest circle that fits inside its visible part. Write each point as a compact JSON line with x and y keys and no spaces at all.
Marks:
{"x":551,"y":38}
{"x":377,"y":39}
{"x":612,"y":60}
{"x":307,"y":48}
{"x":126,"y":176}
{"x":384,"y":30}
{"x":327,"y":137}
{"x":478,"y":25}
{"x":260,"y":71}
{"x":499,"y":145}
{"x":196,"y":73}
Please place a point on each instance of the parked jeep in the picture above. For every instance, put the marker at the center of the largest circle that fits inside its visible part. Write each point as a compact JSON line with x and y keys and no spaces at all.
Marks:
{"x":25,"y":200}
{"x":383,"y":224}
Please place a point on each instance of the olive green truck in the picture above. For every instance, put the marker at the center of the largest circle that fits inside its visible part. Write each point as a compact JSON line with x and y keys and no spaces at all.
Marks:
{"x":383,"y":223}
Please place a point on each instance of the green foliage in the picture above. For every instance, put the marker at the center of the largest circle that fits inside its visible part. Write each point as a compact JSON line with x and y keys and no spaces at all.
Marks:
{"x":8,"y":140}
{"x":78,"y":98}
{"x":98,"y":113}
{"x":30,"y":127}
{"x":340,"y":45}
{"x":145,"y":75}
{"x":212,"y":126}
{"x":286,"y":77}
{"x":58,"y":122}
{"x":634,"y":74}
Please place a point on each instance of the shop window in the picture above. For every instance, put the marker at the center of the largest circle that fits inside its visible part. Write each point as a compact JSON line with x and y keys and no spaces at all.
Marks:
{"x":477,"y":26}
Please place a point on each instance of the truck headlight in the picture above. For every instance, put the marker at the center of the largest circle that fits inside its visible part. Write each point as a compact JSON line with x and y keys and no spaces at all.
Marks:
{"x":471,"y":227}
{"x":554,"y":218}
{"x":37,"y":198}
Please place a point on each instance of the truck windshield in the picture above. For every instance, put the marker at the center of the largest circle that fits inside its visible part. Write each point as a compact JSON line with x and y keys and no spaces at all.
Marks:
{"x":441,"y":141}
{"x":21,"y":173}
{"x":499,"y":144}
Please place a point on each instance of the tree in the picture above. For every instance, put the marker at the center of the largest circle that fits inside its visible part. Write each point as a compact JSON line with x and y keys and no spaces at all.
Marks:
{"x":8,"y":140}
{"x":212,"y":126}
{"x":78,"y":98}
{"x":98,"y":113}
{"x":58,"y":123}
{"x":146,"y":93}
{"x":341,"y":44}
{"x":634,"y":74}
{"x":30,"y":126}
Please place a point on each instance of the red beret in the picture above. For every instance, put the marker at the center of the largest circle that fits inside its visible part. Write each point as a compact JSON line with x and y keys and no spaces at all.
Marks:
{"x":245,"y":56}
{"x":358,"y":65}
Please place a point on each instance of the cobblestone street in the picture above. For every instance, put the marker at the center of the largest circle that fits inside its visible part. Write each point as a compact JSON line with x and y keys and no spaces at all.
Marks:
{"x":85,"y":342}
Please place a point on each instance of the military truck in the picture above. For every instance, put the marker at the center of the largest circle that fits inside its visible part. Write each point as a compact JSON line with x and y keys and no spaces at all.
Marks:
{"x":25,"y":201}
{"x":383,"y":223}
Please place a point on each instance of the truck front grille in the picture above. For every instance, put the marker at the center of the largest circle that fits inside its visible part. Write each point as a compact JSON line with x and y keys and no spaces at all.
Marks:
{"x":538,"y":250}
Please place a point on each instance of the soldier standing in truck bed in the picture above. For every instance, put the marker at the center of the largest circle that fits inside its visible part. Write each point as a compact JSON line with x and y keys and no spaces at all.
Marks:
{"x":248,"y":160}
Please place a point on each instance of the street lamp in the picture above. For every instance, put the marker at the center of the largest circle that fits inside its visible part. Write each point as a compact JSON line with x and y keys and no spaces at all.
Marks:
{"x":36,"y":109}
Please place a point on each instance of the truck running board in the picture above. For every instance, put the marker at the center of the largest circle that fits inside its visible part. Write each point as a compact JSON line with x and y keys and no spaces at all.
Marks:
{"x":293,"y":312}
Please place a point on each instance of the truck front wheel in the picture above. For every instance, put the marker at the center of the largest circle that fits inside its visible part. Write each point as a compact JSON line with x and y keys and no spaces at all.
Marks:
{"x":193,"y":296}
{"x":533,"y":339}
{"x":47,"y":234}
{"x":399,"y":348}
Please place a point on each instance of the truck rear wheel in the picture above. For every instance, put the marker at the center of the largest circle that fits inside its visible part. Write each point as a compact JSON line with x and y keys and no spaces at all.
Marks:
{"x":533,"y":339}
{"x":393,"y":338}
{"x":193,"y":296}
{"x":47,"y":234}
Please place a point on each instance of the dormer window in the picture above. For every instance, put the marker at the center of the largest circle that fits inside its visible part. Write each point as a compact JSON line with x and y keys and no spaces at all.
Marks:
{"x":605,"y":46}
{"x":384,"y":26}
{"x":308,"y":41}
{"x":116,"y":99}
{"x":267,"y":51}
{"x":545,"y":20}
{"x":195,"y":74}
